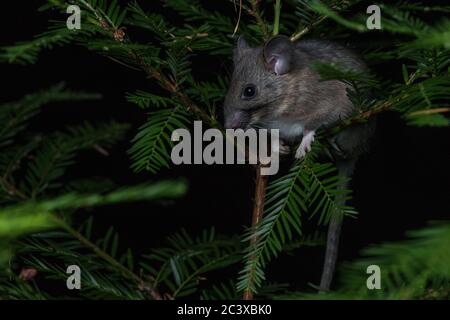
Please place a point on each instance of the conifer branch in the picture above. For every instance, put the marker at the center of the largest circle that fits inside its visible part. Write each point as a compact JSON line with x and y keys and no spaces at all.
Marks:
{"x":119,"y":35}
{"x":170,"y":86}
{"x":142,"y":284}
{"x":360,"y":118}
{"x":45,"y":211}
{"x":256,"y":13}
{"x":276,"y":22}
{"x":430,"y":111}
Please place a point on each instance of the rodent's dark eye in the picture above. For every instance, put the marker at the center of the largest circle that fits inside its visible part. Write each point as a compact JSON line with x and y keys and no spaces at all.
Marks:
{"x":248,"y":92}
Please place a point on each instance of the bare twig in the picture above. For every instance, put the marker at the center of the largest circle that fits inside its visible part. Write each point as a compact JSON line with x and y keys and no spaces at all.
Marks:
{"x":174,"y":89}
{"x":307,"y":29}
{"x":254,"y":11}
{"x":258,"y":212}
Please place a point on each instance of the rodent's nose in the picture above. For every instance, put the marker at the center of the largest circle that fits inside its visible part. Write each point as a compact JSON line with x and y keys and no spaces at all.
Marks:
{"x":237,"y":119}
{"x":229,"y":124}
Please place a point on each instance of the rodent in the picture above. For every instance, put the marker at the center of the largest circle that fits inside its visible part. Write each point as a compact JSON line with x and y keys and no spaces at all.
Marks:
{"x":274,"y":86}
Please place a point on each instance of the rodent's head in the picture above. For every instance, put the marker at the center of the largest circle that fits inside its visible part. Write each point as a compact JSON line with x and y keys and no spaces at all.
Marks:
{"x":259,"y":79}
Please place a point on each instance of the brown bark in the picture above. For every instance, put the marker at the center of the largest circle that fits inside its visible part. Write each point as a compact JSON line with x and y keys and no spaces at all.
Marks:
{"x":258,"y":211}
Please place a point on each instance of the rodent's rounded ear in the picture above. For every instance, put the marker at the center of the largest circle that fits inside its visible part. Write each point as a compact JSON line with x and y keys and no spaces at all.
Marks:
{"x":241,"y":46}
{"x":278,"y":52}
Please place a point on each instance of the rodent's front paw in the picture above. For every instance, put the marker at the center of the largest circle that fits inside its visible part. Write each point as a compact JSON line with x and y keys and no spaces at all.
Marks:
{"x":305,"y":145}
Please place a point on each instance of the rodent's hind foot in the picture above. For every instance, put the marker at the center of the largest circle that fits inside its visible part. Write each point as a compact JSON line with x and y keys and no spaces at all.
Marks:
{"x":305,"y":145}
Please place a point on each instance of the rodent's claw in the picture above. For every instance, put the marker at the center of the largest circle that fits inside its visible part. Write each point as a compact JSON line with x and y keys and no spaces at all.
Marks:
{"x":284,"y":148}
{"x":305,"y":145}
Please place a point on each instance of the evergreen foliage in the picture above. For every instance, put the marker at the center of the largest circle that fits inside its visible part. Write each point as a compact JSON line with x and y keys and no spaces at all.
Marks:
{"x":38,"y":202}
{"x":410,"y":269}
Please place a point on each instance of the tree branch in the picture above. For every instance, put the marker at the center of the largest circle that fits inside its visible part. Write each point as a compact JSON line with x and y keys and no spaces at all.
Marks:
{"x":142,"y":284}
{"x":258,"y":212}
{"x":11,"y":189}
{"x":155,"y":74}
{"x":174,"y":89}
{"x":307,"y":29}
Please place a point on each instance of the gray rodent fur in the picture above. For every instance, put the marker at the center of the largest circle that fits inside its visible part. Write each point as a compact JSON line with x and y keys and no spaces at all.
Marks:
{"x":289,"y":96}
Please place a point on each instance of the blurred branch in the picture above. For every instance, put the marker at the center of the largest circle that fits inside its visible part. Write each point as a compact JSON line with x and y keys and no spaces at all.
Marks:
{"x":307,"y":29}
{"x":258,"y":212}
{"x":276,"y":23}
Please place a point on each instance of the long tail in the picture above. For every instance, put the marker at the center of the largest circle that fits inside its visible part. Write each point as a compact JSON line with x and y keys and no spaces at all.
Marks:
{"x":334,"y":232}
{"x":331,"y":253}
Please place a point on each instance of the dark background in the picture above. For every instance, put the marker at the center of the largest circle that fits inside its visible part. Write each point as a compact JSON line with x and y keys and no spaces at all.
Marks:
{"x":399,"y":185}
